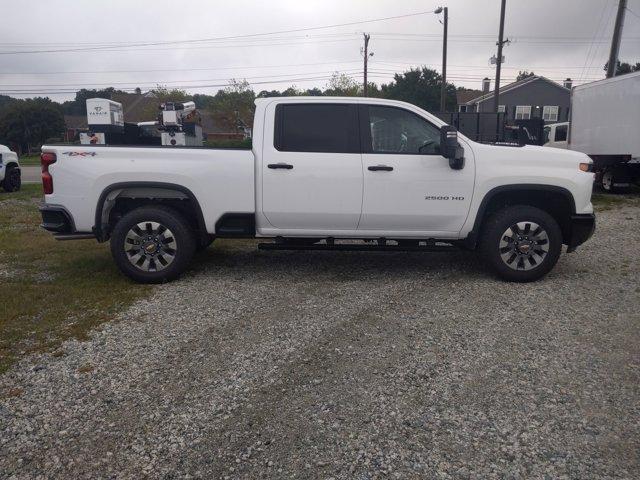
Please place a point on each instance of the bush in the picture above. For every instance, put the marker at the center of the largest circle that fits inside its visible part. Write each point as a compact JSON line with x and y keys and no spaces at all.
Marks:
{"x":229,"y":143}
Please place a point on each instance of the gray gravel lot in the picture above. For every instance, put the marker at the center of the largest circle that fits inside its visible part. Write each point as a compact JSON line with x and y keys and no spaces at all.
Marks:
{"x":348,"y":365}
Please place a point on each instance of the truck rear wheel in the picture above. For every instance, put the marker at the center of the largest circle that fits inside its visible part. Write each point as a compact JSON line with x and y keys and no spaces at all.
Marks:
{"x":616,"y":180}
{"x":152,"y":244}
{"x":521,"y":243}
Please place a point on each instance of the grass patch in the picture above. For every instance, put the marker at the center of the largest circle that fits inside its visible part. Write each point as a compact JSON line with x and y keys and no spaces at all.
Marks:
{"x":29,"y":160}
{"x":607,"y":201}
{"x":50,"y":290}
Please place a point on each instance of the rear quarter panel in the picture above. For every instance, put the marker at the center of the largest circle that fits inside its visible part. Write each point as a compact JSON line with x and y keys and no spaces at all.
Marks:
{"x":221,"y":180}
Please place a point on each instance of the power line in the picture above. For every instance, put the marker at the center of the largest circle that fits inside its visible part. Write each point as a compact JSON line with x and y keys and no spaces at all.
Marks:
{"x":633,"y":13}
{"x":156,"y":82}
{"x":595,"y":34}
{"x":233,"y":37}
{"x":102,"y":72}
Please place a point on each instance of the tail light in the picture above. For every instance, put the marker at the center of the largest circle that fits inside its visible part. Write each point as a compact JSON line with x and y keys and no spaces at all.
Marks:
{"x":47,"y":159}
{"x":586,"y":167}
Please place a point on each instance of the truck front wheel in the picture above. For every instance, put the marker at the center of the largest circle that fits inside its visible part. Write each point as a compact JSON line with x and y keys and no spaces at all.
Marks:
{"x":152,"y":244}
{"x":521,"y":243}
{"x":12,"y":179}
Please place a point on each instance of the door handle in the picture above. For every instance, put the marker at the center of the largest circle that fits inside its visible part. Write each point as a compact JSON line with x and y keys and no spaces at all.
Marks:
{"x":380,"y":168}
{"x":284,"y":166}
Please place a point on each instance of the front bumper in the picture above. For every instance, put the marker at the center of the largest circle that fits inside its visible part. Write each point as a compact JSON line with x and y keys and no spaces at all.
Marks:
{"x":581,"y":229}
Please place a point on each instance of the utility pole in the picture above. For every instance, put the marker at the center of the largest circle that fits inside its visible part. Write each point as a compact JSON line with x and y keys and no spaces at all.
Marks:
{"x":615,"y":41}
{"x":443,"y":91}
{"x":366,"y":62}
{"x":501,"y":42}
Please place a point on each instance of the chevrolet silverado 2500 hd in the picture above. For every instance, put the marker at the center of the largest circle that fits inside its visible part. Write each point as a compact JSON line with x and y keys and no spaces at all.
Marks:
{"x":322,"y":170}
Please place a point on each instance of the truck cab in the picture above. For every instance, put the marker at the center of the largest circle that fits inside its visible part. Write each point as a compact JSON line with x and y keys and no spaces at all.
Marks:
{"x":556,"y":135}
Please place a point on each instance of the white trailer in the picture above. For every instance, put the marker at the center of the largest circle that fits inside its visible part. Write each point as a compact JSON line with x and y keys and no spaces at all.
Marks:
{"x":605,"y":124}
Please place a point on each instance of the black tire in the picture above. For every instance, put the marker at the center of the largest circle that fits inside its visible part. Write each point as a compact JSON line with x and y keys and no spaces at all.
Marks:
{"x":616,"y":175}
{"x":12,"y":179}
{"x":510,"y":256}
{"x":174,"y":245}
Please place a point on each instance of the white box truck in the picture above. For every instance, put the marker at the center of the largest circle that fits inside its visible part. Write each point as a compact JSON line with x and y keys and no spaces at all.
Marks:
{"x":605,"y":124}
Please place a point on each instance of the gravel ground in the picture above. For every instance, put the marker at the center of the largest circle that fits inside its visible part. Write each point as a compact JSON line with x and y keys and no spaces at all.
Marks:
{"x":348,"y":365}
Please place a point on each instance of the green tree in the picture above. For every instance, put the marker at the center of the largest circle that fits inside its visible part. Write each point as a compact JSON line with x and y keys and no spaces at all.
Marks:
{"x":342,"y":85}
{"x":6,"y":101}
{"x":29,"y":123}
{"x":202,"y":101}
{"x":313,"y":92}
{"x":234,"y":104}
{"x":163,"y":94}
{"x":522,"y":74}
{"x":623,"y":68}
{"x":421,"y":87}
{"x":78,"y":106}
{"x":292,"y":91}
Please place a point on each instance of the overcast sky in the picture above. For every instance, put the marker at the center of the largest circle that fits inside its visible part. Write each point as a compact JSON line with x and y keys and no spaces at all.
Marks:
{"x":554,"y":38}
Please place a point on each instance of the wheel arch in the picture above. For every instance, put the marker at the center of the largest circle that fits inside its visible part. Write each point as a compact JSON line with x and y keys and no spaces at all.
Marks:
{"x":142,"y":193}
{"x":555,"y":200}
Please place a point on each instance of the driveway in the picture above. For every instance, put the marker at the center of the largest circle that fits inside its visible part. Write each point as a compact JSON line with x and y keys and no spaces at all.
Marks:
{"x":348,"y":365}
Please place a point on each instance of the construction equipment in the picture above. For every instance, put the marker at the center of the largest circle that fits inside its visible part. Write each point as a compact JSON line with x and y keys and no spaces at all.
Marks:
{"x":179,"y":124}
{"x":105,"y":120}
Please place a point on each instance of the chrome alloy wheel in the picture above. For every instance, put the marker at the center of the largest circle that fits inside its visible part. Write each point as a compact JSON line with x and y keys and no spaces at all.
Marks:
{"x":150,"y":246}
{"x":524,"y":245}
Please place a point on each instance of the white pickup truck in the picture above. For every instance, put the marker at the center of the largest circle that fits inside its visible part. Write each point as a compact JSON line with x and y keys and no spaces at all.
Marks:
{"x":323,"y":172}
{"x":10,"y":179}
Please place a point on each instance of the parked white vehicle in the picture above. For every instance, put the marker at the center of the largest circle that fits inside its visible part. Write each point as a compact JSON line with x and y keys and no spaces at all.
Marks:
{"x":10,"y":178}
{"x":321,"y":170}
{"x":605,"y":121}
{"x":555,"y":135}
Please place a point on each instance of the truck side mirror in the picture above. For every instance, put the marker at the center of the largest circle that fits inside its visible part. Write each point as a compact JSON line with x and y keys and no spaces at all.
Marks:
{"x":450,"y":148}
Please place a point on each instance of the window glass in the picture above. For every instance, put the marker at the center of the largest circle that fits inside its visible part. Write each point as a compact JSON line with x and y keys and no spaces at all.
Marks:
{"x":523,"y":112}
{"x":330,"y":128}
{"x":502,"y":108}
{"x":550,"y":113}
{"x":394,"y":130}
{"x":561,"y":133}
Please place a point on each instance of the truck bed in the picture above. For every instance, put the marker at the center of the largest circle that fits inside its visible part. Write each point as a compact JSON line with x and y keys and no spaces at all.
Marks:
{"x":221,"y":179}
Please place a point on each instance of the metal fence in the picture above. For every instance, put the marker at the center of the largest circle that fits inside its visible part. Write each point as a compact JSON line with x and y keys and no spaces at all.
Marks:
{"x":478,"y":126}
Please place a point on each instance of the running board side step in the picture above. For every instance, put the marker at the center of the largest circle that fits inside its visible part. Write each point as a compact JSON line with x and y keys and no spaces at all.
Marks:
{"x":356,"y":247}
{"x":74,"y":236}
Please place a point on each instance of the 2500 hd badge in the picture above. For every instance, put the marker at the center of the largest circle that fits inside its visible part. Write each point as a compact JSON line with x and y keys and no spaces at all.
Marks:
{"x":443,"y":197}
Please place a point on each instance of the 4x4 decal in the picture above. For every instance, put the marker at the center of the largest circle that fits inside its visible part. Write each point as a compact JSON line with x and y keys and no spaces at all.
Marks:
{"x":80,"y":154}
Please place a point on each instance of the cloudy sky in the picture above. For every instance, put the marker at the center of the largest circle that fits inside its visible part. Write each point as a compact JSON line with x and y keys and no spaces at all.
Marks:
{"x":54,"y":47}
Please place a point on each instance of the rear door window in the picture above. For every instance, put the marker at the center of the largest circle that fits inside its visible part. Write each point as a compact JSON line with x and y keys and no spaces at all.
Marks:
{"x":321,"y":127}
